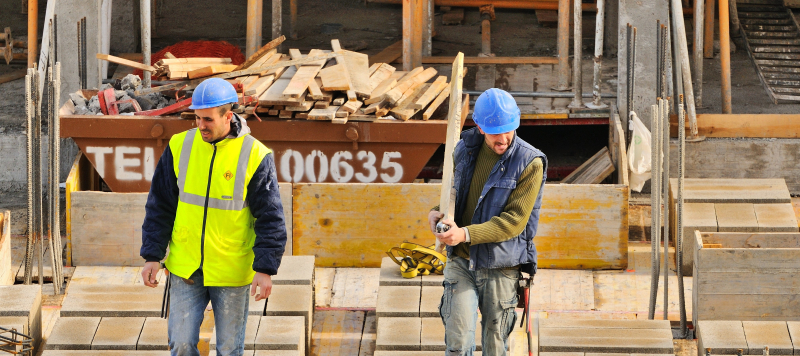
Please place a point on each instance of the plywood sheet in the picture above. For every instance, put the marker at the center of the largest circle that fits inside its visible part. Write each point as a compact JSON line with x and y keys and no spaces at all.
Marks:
{"x":107,"y":228}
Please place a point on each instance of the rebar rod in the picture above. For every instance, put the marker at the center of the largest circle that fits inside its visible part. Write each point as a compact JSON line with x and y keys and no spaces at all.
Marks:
{"x":679,"y":211}
{"x":598,"y":56}
{"x":664,"y":60}
{"x":577,"y":71}
{"x":80,"y":56}
{"x":659,"y":82}
{"x":30,"y":116}
{"x":664,"y":198}
{"x":37,"y":181}
{"x":654,"y":264}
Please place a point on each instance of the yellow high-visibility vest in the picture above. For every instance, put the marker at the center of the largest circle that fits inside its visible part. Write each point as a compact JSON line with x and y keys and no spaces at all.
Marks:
{"x":213,"y":224}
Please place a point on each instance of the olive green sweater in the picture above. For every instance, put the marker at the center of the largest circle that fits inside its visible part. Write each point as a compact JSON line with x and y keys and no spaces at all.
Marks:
{"x":512,"y":221}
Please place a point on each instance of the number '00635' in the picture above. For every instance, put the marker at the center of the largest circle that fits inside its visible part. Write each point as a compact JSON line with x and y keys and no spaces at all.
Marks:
{"x":294,"y":167}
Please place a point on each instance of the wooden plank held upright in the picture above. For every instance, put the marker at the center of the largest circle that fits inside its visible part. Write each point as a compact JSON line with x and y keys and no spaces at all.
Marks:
{"x":448,"y":198}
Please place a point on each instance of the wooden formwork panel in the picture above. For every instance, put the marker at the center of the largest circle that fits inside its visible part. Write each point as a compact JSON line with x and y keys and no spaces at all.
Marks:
{"x":353,"y":225}
{"x":6,"y":277}
{"x":752,"y":276}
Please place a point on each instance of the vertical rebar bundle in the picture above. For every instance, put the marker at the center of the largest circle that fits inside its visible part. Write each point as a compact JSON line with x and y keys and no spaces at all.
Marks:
{"x":82,"y":53}
{"x":31,"y":113}
{"x":54,"y":133}
{"x":630,"y":60}
{"x":665,"y":195}
{"x":655,"y":206}
{"x":679,"y":212}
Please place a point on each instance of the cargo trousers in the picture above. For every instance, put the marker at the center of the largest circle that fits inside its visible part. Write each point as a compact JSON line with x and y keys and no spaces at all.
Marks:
{"x":493,"y":291}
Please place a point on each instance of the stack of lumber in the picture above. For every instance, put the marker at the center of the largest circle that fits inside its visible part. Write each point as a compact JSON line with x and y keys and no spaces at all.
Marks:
{"x":191,"y":68}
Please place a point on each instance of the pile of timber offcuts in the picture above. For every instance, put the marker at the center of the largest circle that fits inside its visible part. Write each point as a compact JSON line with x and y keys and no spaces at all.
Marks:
{"x":335,"y":85}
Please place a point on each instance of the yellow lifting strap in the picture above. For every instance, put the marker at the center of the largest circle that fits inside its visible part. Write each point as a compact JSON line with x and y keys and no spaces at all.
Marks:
{"x":415,"y":259}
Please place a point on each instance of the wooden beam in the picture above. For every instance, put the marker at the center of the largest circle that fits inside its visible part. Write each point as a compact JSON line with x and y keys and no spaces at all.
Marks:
{"x":488,"y":60}
{"x":389,"y":54}
{"x":125,"y":62}
{"x":447,"y":198}
{"x":211,"y":70}
{"x":431,"y":93}
{"x":593,"y":171}
{"x":436,"y":103}
{"x":744,"y":125}
{"x":261,"y":52}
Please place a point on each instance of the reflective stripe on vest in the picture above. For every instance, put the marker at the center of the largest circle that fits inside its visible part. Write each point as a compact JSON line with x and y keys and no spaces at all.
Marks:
{"x":238,"y":203}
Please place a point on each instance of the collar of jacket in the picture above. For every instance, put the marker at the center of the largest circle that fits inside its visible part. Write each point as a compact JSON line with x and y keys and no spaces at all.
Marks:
{"x":239,"y":129}
{"x":473,"y":139}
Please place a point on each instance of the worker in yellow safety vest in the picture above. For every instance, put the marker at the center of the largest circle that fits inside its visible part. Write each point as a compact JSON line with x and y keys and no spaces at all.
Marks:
{"x":214,"y":201}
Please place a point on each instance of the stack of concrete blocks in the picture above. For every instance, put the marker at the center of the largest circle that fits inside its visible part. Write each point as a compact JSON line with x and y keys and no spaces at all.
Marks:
{"x":746,"y":276}
{"x":6,"y":277}
{"x":292,"y":296}
{"x":21,"y":308}
{"x":407,"y":313}
{"x":560,"y":336}
{"x":727,"y":337}
{"x":729,"y":205}
{"x":272,"y":336}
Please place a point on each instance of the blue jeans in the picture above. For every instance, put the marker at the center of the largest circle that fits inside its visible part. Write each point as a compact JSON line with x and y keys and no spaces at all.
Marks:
{"x":494,"y":291}
{"x":187,"y":303}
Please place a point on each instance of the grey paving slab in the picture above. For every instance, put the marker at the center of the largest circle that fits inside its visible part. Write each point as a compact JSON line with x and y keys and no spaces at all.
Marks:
{"x":295,"y":270}
{"x":278,"y":353}
{"x":619,"y":344}
{"x":774,"y":334}
{"x":721,"y":336}
{"x":19,"y":300}
{"x":72,"y":333}
{"x":419,"y":353}
{"x":398,"y":301}
{"x":776,"y":217}
{"x":256,"y":307}
{"x":697,"y":216}
{"x":390,"y":275}
{"x":250,"y":332}
{"x":245,"y":353}
{"x":293,"y":300}
{"x":794,"y":334}
{"x":112,"y":301}
{"x":725,"y":190}
{"x":154,"y":335}
{"x":606,"y":332}
{"x":614,"y":324}
{"x":429,"y":301}
{"x":104,"y":353}
{"x":118,"y":333}
{"x":398,"y":334}
{"x":281,"y":333}
{"x":13,"y":321}
{"x":433,"y":280}
{"x":738,"y":217}
{"x":432,"y":334}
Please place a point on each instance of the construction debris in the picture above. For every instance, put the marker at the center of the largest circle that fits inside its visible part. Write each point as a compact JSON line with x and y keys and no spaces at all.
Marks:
{"x":332,"y":85}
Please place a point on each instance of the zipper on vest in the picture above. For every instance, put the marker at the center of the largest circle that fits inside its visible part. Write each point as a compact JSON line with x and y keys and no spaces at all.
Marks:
{"x":205,"y":207}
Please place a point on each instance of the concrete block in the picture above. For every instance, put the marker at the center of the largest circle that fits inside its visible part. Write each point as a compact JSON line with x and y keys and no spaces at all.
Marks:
{"x":721,"y":336}
{"x":432,"y":334}
{"x":398,"y":334}
{"x":398,"y":301}
{"x":608,"y":324}
{"x":697,"y":216}
{"x":775,"y":218}
{"x":429,"y":301}
{"x":767,"y":190}
{"x":72,"y":333}
{"x":277,"y":353}
{"x":112,"y":301}
{"x":619,"y":344}
{"x":104,"y":353}
{"x":69,"y":12}
{"x":154,"y":335}
{"x":738,"y":217}
{"x":794,"y":334}
{"x":249,"y":352}
{"x":293,"y":300}
{"x":118,"y":333}
{"x":281,"y":333}
{"x":433,"y":280}
{"x":250,"y":332}
{"x":18,"y":322}
{"x":774,"y":334}
{"x":257,"y":307}
{"x":295,"y":270}
{"x":418,"y":353}
{"x":22,"y":300}
{"x":605,"y":333}
{"x":390,"y":275}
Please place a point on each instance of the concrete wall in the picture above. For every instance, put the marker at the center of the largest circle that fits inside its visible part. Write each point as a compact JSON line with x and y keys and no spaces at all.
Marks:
{"x":643,"y":16}
{"x":124,"y":26}
{"x":14,"y":174}
{"x":741,"y":158}
{"x":69,"y":12}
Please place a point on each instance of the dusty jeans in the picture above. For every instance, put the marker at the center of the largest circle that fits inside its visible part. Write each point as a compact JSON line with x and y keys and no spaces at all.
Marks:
{"x":494,"y":291}
{"x":187,"y":303}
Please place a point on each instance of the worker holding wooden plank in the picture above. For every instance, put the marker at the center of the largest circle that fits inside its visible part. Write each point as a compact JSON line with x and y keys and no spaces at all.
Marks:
{"x":498,"y":181}
{"x":214,"y":201}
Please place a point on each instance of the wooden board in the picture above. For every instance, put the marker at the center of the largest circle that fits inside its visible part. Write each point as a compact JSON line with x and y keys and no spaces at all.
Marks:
{"x":405,"y":106}
{"x":369,"y":336}
{"x":6,"y":277}
{"x":383,"y":72}
{"x":447,"y":192}
{"x":337,"y":332}
{"x":743,"y":125}
{"x":355,"y":287}
{"x":444,"y":94}
{"x":593,"y":171}
{"x":334,"y":78}
{"x":619,"y":150}
{"x":106,"y":228}
{"x":304,"y":76}
{"x":563,"y":290}
{"x":261,"y":52}
{"x":389,"y":54}
{"x":358,"y":72}
{"x":328,"y":113}
{"x":274,"y":94}
{"x":211,"y":70}
{"x":125,"y":62}
{"x":323,"y":286}
{"x":754,"y":276}
{"x":431,"y":93}
{"x":488,"y":60}
{"x":210,"y":60}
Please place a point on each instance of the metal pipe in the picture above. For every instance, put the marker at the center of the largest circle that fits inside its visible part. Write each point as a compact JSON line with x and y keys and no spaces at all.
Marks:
{"x":427,"y":27}
{"x":679,"y":211}
{"x":725,"y":56}
{"x":253,"y":40}
{"x":654,"y":203}
{"x":498,"y":4}
{"x":683,"y":51}
{"x":277,"y":19}
{"x":408,"y":64}
{"x":30,"y":116}
{"x":665,"y":193}
{"x":659,"y":59}
{"x":541,"y":94}
{"x":598,"y":56}
{"x":708,"y":34}
{"x":144,"y":11}
{"x":697,"y":47}
{"x":33,"y":31}
{"x":577,"y":71}
{"x":292,"y":19}
{"x":563,"y":46}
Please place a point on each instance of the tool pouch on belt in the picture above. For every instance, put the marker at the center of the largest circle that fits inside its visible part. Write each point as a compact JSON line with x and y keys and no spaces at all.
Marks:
{"x":415,"y":260}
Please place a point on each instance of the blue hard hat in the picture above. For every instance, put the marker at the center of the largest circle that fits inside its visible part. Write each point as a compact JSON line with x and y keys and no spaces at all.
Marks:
{"x":213,"y":92}
{"x":496,"y":112}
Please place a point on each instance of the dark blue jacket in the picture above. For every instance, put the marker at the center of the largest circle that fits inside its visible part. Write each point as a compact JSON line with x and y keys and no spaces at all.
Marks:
{"x":519,"y":250}
{"x":262,"y":197}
